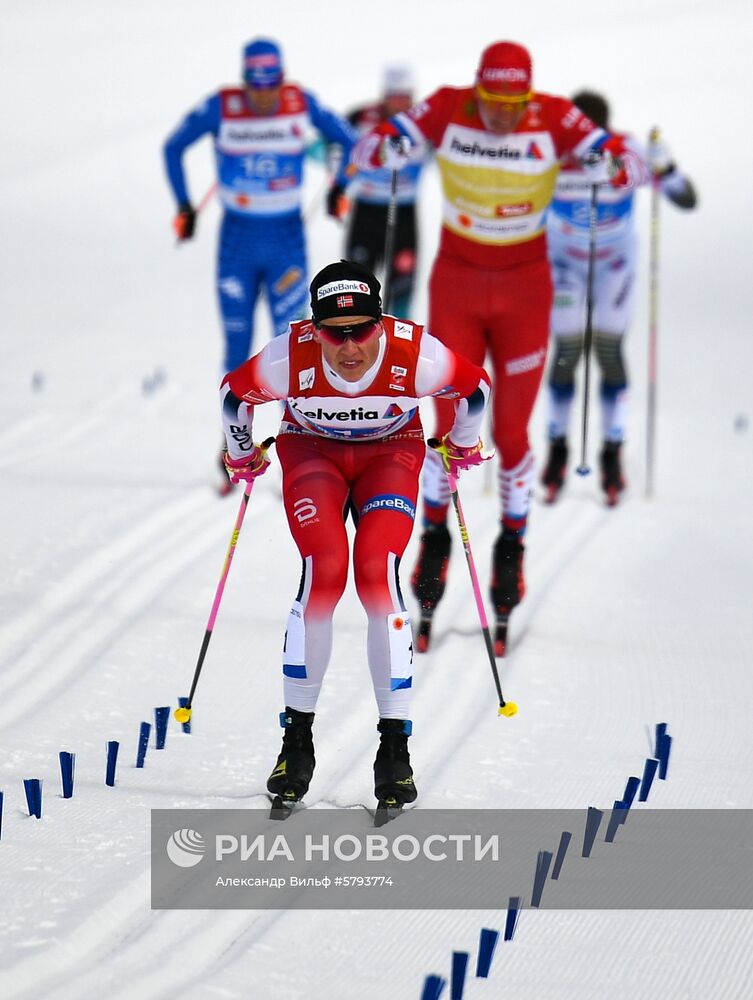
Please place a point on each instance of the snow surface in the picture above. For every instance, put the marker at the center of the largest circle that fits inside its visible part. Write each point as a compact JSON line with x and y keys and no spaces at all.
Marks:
{"x":113,"y":538}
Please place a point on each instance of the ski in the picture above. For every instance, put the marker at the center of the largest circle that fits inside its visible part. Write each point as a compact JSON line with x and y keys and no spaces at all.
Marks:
{"x":423,"y":635}
{"x":387,"y":810}
{"x":283,"y":806}
{"x":500,"y":637}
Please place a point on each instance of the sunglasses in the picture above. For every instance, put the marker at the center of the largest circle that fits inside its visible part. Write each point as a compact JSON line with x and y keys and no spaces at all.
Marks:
{"x":358,"y":332}
{"x":487,"y":95}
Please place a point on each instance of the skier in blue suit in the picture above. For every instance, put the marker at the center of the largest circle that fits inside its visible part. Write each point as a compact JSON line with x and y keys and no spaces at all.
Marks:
{"x":260,"y":130}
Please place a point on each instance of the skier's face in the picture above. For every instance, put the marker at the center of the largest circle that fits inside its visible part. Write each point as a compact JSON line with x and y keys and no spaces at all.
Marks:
{"x":500,"y":113}
{"x":351,"y":359}
{"x":395,"y":103}
{"x":263,"y":100}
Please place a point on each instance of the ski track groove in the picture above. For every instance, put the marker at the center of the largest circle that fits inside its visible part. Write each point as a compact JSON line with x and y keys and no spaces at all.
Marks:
{"x":72,"y":432}
{"x":83,"y":578}
{"x":22,"y":428}
{"x":75,"y":628}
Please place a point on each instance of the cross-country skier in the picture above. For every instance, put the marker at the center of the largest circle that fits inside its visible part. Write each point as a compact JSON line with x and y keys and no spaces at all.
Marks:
{"x":260,"y":132}
{"x":613,"y":288}
{"x":499,"y":145}
{"x":369,"y":197}
{"x":350,"y":441}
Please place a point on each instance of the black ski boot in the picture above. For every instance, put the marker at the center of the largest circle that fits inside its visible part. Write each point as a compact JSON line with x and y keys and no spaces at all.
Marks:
{"x":612,"y":480}
{"x":290,"y":780}
{"x":508,"y":584}
{"x":393,"y":775}
{"x":429,"y":578}
{"x":553,"y":478}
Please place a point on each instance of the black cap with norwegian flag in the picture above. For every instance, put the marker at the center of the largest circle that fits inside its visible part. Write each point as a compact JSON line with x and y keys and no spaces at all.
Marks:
{"x":345,"y":288}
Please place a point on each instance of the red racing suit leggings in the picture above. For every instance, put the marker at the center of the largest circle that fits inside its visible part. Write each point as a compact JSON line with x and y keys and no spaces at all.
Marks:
{"x":505,"y":313}
{"x":323,"y":479}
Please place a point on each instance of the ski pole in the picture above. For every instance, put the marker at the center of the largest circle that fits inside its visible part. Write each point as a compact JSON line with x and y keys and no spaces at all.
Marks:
{"x":506,"y":708}
{"x":389,"y":241}
{"x":316,"y":200}
{"x":652,"y":325}
{"x":183,"y":714}
{"x":583,"y":469}
{"x":207,"y":198}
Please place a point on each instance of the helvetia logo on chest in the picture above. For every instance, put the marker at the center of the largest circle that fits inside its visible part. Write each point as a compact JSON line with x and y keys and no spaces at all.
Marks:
{"x":320,"y":413}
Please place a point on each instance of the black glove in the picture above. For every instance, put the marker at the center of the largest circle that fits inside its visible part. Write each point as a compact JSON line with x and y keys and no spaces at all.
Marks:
{"x":337,"y":203}
{"x":184,"y":222}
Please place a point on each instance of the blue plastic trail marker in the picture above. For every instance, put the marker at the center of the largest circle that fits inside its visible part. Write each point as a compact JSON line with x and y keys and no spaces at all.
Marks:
{"x":486,"y":945}
{"x":593,"y":821}
{"x":459,"y":968}
{"x":631,"y":788}
{"x":112,"y":760}
{"x":617,"y":817}
{"x":661,"y":731}
{"x":649,"y":772}
{"x":33,"y":789}
{"x":67,"y":772}
{"x":185,"y":726}
{"x":433,"y":987}
{"x":1,"y":815}
{"x":161,"y":719}
{"x":542,"y":870}
{"x":561,"y":852}
{"x":513,"y":912}
{"x":665,"y":747}
{"x":144,"y":731}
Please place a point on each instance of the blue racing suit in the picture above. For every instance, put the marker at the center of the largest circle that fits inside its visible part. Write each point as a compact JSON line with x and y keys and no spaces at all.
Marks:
{"x":259,"y":161}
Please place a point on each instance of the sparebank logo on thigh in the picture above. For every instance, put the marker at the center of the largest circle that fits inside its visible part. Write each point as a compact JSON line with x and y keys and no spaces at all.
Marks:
{"x":390,"y":501}
{"x":338,"y":287}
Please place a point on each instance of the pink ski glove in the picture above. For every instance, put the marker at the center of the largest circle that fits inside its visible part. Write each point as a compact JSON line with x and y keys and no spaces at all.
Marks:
{"x":454,"y":458}
{"x":249,"y":467}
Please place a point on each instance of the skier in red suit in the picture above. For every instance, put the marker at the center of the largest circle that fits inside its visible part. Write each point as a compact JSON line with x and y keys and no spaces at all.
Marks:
{"x":499,"y":145}
{"x":351,"y":441}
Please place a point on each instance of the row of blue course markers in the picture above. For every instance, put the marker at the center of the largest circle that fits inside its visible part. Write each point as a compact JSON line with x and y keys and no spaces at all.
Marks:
{"x":434,"y":984}
{"x":33,"y":786}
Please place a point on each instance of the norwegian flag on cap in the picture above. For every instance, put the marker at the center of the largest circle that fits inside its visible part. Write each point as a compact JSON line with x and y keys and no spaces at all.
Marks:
{"x":505,"y":68}
{"x":344,"y":301}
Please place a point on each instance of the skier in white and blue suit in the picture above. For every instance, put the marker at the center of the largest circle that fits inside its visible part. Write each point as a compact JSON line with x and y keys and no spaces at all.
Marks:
{"x":261,"y":130}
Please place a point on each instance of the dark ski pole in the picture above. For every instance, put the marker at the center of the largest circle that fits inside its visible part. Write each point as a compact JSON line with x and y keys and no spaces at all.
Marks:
{"x":653,"y":335}
{"x":584,"y":469}
{"x":183,"y":714}
{"x":506,"y":708}
{"x":389,"y":242}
